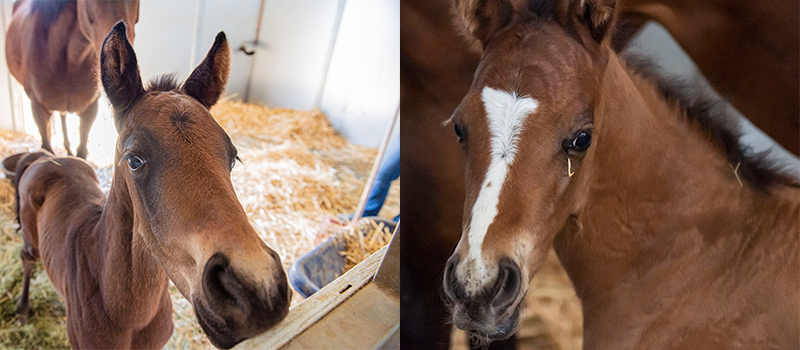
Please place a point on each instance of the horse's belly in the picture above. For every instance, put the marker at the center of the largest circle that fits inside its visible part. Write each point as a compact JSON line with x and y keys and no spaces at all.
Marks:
{"x":69,"y":92}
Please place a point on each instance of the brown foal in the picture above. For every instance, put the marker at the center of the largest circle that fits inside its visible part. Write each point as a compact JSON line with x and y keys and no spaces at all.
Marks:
{"x":171,"y":214}
{"x":673,"y":236}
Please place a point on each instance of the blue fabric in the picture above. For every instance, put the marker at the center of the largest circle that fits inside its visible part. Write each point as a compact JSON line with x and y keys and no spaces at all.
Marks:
{"x":388,"y":171}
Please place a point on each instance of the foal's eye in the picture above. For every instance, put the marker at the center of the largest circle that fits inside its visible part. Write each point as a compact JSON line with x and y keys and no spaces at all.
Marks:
{"x":581,"y":141}
{"x":233,"y":162}
{"x":135,"y":162}
{"x":459,"y":132}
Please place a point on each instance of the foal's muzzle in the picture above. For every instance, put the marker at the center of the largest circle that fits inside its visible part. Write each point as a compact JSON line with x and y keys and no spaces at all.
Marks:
{"x":236,"y":308}
{"x":491,"y":311}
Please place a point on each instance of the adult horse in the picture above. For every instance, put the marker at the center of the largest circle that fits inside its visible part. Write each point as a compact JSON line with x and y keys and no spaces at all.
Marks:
{"x":53,"y":50}
{"x":171,"y":214}
{"x":669,"y":231}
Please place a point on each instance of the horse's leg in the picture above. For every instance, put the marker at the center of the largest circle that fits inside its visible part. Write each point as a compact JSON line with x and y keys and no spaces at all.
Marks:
{"x":64,"y":130}
{"x":42,"y":115}
{"x":28,"y":263}
{"x":87,"y":119}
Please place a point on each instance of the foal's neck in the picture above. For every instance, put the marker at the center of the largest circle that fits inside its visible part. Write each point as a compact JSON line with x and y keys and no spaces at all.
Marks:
{"x":131,"y":280}
{"x":661,"y":196}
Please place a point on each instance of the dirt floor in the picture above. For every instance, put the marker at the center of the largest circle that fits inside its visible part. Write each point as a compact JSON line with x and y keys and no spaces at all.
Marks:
{"x":295,"y":172}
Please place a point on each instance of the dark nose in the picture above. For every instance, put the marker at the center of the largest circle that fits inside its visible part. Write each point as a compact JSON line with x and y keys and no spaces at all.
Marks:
{"x":453,"y":289}
{"x":500,"y":294}
{"x":244,"y":308}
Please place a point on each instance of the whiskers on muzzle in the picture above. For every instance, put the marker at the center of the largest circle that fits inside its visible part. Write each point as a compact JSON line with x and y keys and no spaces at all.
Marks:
{"x":491,"y":312}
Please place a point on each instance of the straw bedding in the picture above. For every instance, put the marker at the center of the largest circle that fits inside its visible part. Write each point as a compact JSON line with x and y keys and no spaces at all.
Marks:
{"x":295,"y":171}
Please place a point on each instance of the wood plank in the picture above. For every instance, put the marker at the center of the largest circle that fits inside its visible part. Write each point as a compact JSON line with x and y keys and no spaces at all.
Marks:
{"x":367,"y":320}
{"x":388,"y":275}
{"x":318,"y":305}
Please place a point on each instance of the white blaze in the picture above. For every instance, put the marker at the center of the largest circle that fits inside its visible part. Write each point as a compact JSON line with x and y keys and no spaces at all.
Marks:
{"x":506,"y":112}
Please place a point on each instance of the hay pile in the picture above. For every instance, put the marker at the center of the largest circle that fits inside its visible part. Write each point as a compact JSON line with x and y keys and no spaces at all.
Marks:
{"x":295,"y":171}
{"x":361,"y":240}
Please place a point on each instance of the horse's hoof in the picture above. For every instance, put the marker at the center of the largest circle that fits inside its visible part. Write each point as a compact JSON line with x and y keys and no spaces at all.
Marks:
{"x":23,"y":319}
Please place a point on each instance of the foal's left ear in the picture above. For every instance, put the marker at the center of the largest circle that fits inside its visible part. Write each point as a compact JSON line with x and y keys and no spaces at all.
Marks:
{"x":208,"y":80}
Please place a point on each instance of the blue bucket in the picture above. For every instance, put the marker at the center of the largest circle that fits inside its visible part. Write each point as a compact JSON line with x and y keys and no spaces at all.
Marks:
{"x":322,"y":265}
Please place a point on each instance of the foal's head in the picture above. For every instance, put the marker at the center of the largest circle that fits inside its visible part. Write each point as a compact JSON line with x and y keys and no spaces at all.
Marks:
{"x":173,"y":161}
{"x":525,"y":125}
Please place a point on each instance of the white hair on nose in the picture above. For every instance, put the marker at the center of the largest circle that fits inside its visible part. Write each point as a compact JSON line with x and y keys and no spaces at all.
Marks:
{"x":505,"y":112}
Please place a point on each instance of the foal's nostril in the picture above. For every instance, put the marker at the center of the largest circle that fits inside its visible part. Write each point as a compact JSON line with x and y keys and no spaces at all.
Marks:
{"x":223,"y":289}
{"x":451,"y":289}
{"x":508,"y":283}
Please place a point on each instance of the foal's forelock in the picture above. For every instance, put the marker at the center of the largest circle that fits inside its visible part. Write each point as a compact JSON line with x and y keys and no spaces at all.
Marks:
{"x":506,"y":113}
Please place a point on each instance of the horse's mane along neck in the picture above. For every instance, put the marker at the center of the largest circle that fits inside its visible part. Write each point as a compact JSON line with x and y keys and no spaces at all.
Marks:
{"x":710,"y":114}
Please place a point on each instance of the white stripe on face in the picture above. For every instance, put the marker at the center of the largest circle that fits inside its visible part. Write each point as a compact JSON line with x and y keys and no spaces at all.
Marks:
{"x":506,"y":112}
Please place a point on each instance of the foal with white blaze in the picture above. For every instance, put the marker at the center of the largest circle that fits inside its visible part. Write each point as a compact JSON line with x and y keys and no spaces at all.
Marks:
{"x":636,"y":187}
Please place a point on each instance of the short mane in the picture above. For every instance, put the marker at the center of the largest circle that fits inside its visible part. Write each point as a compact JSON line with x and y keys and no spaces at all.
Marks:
{"x":164,"y":82}
{"x":717,"y":120}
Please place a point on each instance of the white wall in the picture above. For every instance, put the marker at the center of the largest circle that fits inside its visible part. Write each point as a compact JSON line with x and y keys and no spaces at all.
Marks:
{"x":10,"y":108}
{"x":362,"y":89}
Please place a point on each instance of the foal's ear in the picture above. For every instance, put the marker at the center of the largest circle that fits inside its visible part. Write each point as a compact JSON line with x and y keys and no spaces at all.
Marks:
{"x":119,"y":72}
{"x":597,"y":16}
{"x":482,"y":19}
{"x":208,"y":80}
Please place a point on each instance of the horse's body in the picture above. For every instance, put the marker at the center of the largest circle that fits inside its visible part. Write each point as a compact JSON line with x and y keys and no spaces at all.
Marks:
{"x":53,"y":50}
{"x":171,"y":213}
{"x":671,"y":234}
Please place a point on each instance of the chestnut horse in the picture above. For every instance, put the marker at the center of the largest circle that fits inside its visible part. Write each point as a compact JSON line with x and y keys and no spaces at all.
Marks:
{"x":171,"y":214}
{"x":53,"y":50}
{"x":673,"y":236}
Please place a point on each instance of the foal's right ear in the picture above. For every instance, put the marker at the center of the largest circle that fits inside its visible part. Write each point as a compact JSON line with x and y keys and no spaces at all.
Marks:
{"x":119,"y":72}
{"x":483,"y":18}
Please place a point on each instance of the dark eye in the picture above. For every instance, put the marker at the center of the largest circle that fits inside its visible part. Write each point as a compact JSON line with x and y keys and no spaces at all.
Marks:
{"x":581,"y":142}
{"x":233,"y":162}
{"x":135,"y":162}
{"x":459,"y":132}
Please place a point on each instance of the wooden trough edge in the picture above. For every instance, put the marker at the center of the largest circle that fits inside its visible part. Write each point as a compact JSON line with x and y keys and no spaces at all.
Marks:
{"x":324,"y":302}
